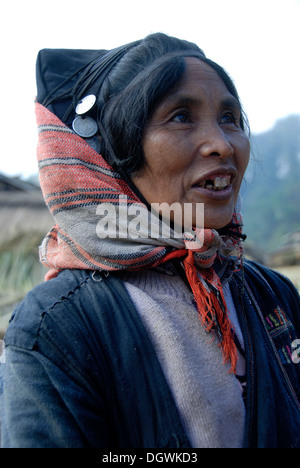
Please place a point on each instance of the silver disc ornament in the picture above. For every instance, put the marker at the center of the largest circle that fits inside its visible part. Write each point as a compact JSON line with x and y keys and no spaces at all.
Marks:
{"x":86,"y":104}
{"x":86,"y":126}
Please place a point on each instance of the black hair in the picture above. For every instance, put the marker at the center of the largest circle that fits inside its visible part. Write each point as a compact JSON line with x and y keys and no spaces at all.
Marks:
{"x":128,"y":82}
{"x":133,"y":88}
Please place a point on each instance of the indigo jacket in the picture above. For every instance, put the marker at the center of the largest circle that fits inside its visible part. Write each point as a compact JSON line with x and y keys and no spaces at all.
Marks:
{"x":81,"y":371}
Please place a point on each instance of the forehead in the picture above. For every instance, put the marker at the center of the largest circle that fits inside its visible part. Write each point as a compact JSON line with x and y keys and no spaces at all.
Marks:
{"x":199,"y":80}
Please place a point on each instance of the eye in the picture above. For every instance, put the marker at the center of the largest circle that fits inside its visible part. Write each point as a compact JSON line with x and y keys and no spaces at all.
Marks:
{"x":182,"y":117}
{"x":230,"y":118}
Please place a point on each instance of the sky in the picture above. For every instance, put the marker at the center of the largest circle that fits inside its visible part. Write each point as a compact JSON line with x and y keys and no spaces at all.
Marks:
{"x":256,"y":41}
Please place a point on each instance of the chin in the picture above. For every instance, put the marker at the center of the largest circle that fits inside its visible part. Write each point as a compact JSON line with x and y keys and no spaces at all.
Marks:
{"x":218,"y":221}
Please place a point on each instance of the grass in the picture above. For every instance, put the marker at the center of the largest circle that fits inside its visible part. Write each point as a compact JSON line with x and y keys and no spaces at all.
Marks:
{"x":20,"y":272}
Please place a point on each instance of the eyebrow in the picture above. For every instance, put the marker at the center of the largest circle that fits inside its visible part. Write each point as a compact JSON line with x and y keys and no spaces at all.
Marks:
{"x":231,"y":102}
{"x":184,"y":100}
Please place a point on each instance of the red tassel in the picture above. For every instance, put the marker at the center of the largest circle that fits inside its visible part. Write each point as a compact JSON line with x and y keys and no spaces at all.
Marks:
{"x":209,"y":307}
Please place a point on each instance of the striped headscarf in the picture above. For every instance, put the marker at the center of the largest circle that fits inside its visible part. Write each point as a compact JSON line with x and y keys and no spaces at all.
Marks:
{"x":76,"y":182}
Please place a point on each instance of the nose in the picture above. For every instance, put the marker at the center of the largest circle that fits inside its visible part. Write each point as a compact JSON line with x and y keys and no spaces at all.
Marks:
{"x":214,"y":142}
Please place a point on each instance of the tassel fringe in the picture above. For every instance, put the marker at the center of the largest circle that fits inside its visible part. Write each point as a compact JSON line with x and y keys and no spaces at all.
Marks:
{"x":211,"y":305}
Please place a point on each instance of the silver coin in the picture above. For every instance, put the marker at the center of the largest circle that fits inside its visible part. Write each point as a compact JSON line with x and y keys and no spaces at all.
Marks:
{"x":86,"y":104}
{"x":86,"y":127}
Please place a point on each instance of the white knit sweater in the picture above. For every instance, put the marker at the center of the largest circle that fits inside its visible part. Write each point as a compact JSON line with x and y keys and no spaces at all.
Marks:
{"x":208,"y":397}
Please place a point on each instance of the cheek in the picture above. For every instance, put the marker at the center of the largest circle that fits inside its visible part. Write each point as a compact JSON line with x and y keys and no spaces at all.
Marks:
{"x":242,"y":150}
{"x":164,"y":155}
{"x":153,"y":153}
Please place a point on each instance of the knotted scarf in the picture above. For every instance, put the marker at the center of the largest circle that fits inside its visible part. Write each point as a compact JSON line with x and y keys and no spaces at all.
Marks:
{"x":78,"y":185}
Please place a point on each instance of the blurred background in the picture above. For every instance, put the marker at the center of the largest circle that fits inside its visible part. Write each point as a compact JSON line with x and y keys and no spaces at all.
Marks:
{"x":257,"y":42}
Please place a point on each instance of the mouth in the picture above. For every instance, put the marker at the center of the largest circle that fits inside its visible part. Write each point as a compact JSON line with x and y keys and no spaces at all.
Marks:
{"x":216,"y":181}
{"x":216,"y":185}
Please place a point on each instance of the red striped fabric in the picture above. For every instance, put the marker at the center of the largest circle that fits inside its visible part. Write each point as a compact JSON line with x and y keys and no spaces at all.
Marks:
{"x":75,"y":180}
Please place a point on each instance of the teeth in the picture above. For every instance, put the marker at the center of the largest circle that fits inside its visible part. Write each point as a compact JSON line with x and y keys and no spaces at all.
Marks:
{"x":218,"y":183}
{"x":222,"y":181}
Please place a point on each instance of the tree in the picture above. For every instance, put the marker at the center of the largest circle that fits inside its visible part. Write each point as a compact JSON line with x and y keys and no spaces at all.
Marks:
{"x":270,"y":192}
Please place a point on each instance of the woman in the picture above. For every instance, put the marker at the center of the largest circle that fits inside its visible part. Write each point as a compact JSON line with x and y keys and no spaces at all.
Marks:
{"x":140,"y":338}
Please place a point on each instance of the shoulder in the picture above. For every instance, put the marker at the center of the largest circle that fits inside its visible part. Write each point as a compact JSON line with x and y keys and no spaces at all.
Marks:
{"x":262,"y":275}
{"x":268,"y":285}
{"x":64,"y":302}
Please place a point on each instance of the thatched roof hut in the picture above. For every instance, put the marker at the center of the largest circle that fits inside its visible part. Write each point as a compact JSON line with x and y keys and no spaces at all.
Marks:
{"x":23,"y":216}
{"x":24,"y":221}
{"x":16,"y":184}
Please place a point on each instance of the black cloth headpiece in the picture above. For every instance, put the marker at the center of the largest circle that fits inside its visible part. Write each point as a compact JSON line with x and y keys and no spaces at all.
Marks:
{"x":64,"y":76}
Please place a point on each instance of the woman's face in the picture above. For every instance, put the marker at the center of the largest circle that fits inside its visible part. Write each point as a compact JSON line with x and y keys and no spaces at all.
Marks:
{"x":195,"y":150}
